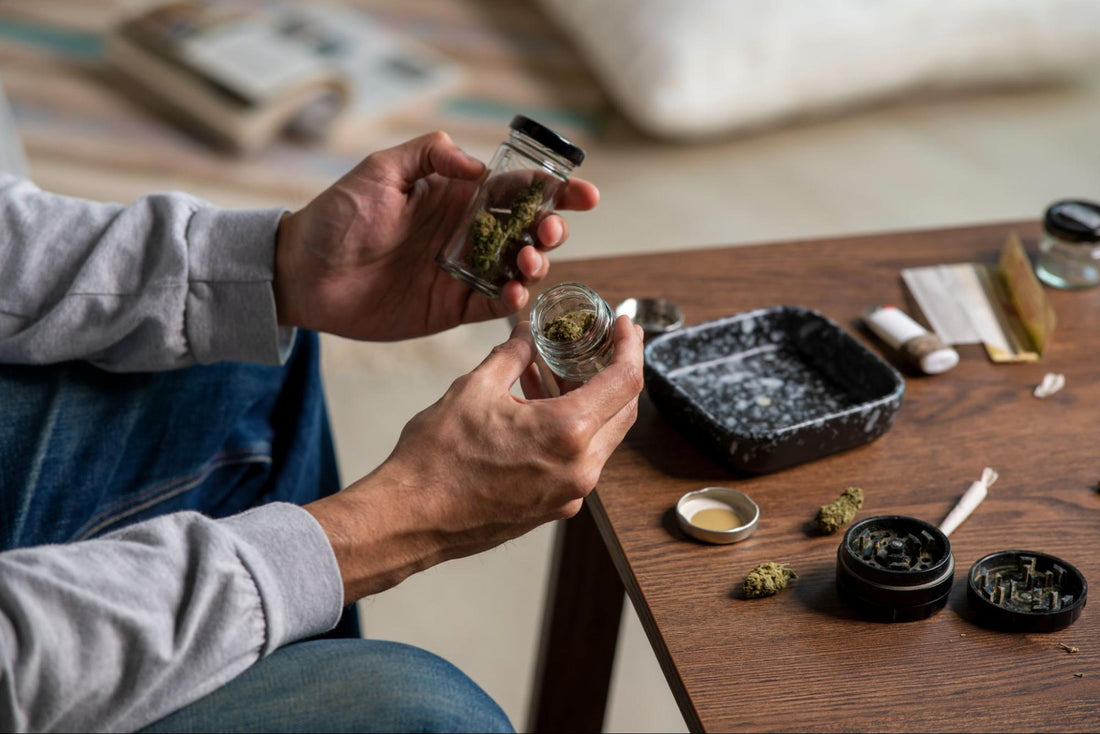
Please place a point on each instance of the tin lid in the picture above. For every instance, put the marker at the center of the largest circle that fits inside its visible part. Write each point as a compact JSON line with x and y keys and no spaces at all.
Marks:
{"x":555,"y":142}
{"x":1073,"y":221}
{"x":1025,"y":591}
{"x":697,"y":510}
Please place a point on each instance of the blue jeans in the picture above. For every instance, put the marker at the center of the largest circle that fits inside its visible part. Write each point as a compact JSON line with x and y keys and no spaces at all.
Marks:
{"x":344,"y":686}
{"x":84,"y":452}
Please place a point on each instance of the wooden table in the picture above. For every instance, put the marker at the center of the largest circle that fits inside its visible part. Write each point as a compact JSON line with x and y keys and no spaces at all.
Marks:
{"x":802,"y":660}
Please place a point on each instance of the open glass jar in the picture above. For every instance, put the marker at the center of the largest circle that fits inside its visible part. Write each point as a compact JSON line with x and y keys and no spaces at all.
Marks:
{"x":1069,"y":251}
{"x":572,"y":328}
{"x":520,"y":187}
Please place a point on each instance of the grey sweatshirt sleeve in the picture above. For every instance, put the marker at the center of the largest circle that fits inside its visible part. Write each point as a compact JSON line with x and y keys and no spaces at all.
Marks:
{"x":164,"y":282}
{"x":115,"y":633}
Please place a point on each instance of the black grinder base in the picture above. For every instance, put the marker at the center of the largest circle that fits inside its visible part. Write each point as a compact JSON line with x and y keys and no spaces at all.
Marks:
{"x":894,"y":568}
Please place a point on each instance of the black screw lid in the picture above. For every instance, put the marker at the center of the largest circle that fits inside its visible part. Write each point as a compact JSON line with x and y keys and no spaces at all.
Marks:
{"x":1025,"y":591}
{"x":567,"y":150}
{"x":1073,"y":221}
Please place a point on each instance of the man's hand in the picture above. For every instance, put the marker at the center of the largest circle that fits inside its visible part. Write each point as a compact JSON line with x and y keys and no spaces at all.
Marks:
{"x":482,"y":466}
{"x":359,"y":260}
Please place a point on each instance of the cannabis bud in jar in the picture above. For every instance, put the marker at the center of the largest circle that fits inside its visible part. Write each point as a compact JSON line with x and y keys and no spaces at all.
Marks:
{"x":572,"y":327}
{"x":521,"y":185}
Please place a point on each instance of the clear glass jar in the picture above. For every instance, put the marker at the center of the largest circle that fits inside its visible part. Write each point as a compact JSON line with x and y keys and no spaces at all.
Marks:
{"x":574,"y":358}
{"x":520,"y":187}
{"x":1069,"y":251}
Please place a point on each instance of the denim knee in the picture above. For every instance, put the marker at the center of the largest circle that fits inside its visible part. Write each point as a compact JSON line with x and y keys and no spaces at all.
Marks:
{"x":345,"y":686}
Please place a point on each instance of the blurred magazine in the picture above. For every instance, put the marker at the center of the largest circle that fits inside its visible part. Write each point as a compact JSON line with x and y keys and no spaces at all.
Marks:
{"x":245,"y":74}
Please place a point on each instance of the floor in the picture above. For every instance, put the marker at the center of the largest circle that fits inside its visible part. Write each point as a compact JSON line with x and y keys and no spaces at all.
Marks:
{"x":913,"y":163}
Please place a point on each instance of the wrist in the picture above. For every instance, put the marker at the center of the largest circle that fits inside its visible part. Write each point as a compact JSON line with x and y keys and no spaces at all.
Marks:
{"x":286,"y":311}
{"x":378,"y":534}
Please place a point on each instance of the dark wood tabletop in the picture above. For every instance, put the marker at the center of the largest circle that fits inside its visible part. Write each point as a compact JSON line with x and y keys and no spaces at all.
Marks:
{"x":803,"y":660}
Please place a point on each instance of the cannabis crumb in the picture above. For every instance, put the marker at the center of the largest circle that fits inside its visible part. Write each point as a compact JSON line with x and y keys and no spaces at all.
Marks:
{"x":767,"y":579}
{"x":494,"y":239}
{"x":571,"y":326}
{"x":839,"y":512}
{"x":1069,"y":648}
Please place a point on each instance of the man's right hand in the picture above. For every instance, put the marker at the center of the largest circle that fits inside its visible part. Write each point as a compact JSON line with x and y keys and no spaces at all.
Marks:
{"x":482,"y":466}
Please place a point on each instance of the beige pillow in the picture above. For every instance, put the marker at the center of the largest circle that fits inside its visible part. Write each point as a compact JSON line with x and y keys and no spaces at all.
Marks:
{"x":692,"y":68}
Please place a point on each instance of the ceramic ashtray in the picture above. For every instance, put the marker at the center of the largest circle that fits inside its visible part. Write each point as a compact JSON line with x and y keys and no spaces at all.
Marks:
{"x":654,"y":315}
{"x":771,"y":388}
{"x":717,"y":515}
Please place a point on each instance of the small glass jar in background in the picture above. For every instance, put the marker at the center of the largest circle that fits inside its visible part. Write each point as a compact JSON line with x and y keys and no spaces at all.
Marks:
{"x":1069,"y":251}
{"x":520,"y":187}
{"x":574,"y":344}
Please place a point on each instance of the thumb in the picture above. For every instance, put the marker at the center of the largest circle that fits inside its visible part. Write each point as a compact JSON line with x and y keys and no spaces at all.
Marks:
{"x":508,"y":361}
{"x":425,"y":155}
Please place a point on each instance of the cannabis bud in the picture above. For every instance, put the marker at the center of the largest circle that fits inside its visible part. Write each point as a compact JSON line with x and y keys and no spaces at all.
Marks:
{"x":494,"y":239}
{"x":839,"y":512}
{"x":571,"y":326}
{"x":767,"y":579}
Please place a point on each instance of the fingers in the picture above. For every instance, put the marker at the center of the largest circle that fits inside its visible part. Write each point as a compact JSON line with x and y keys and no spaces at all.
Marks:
{"x":533,"y":264}
{"x":531,"y":383}
{"x":552,"y":231}
{"x":513,"y":297}
{"x":620,"y":382}
{"x":579,"y":195}
{"x":422,"y":156}
{"x":510,"y":360}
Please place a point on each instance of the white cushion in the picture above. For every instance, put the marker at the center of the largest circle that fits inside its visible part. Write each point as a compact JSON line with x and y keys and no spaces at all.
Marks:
{"x":691,"y":68}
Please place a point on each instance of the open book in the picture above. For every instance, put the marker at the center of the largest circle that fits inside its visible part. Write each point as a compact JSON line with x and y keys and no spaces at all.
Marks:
{"x":244,"y":75}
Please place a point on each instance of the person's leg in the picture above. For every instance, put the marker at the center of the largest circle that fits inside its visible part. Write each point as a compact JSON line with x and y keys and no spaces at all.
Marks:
{"x":84,"y":451}
{"x":344,"y":686}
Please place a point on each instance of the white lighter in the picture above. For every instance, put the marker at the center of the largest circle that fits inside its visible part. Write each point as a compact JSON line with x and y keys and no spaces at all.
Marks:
{"x":899,"y":331}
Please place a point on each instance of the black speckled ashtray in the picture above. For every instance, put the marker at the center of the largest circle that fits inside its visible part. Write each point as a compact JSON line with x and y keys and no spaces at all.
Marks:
{"x":768,"y":389}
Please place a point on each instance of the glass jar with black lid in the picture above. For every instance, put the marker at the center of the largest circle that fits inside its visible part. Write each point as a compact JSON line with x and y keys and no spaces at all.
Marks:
{"x":1069,"y":251}
{"x":521,"y":185}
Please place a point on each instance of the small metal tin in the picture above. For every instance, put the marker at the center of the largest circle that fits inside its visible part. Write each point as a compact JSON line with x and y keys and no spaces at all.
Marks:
{"x":711,"y":498}
{"x":654,"y":315}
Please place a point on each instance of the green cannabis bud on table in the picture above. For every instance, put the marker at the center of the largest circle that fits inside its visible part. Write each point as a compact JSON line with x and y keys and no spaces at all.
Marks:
{"x":493,"y":239}
{"x":767,"y":579}
{"x":839,"y":512}
{"x":571,"y":326}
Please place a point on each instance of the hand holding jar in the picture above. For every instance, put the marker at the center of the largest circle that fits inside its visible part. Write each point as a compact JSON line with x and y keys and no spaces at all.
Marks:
{"x":360,"y":259}
{"x":482,"y":466}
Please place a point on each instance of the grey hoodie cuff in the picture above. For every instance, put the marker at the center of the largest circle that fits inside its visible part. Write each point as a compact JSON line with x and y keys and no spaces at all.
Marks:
{"x":295,"y":569}
{"x":230,"y":312}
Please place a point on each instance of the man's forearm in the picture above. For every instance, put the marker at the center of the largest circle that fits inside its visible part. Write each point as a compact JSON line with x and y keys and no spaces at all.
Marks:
{"x":115,"y":633}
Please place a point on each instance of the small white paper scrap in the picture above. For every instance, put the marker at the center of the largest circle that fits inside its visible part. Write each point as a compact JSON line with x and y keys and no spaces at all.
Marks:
{"x":1052,"y":383}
